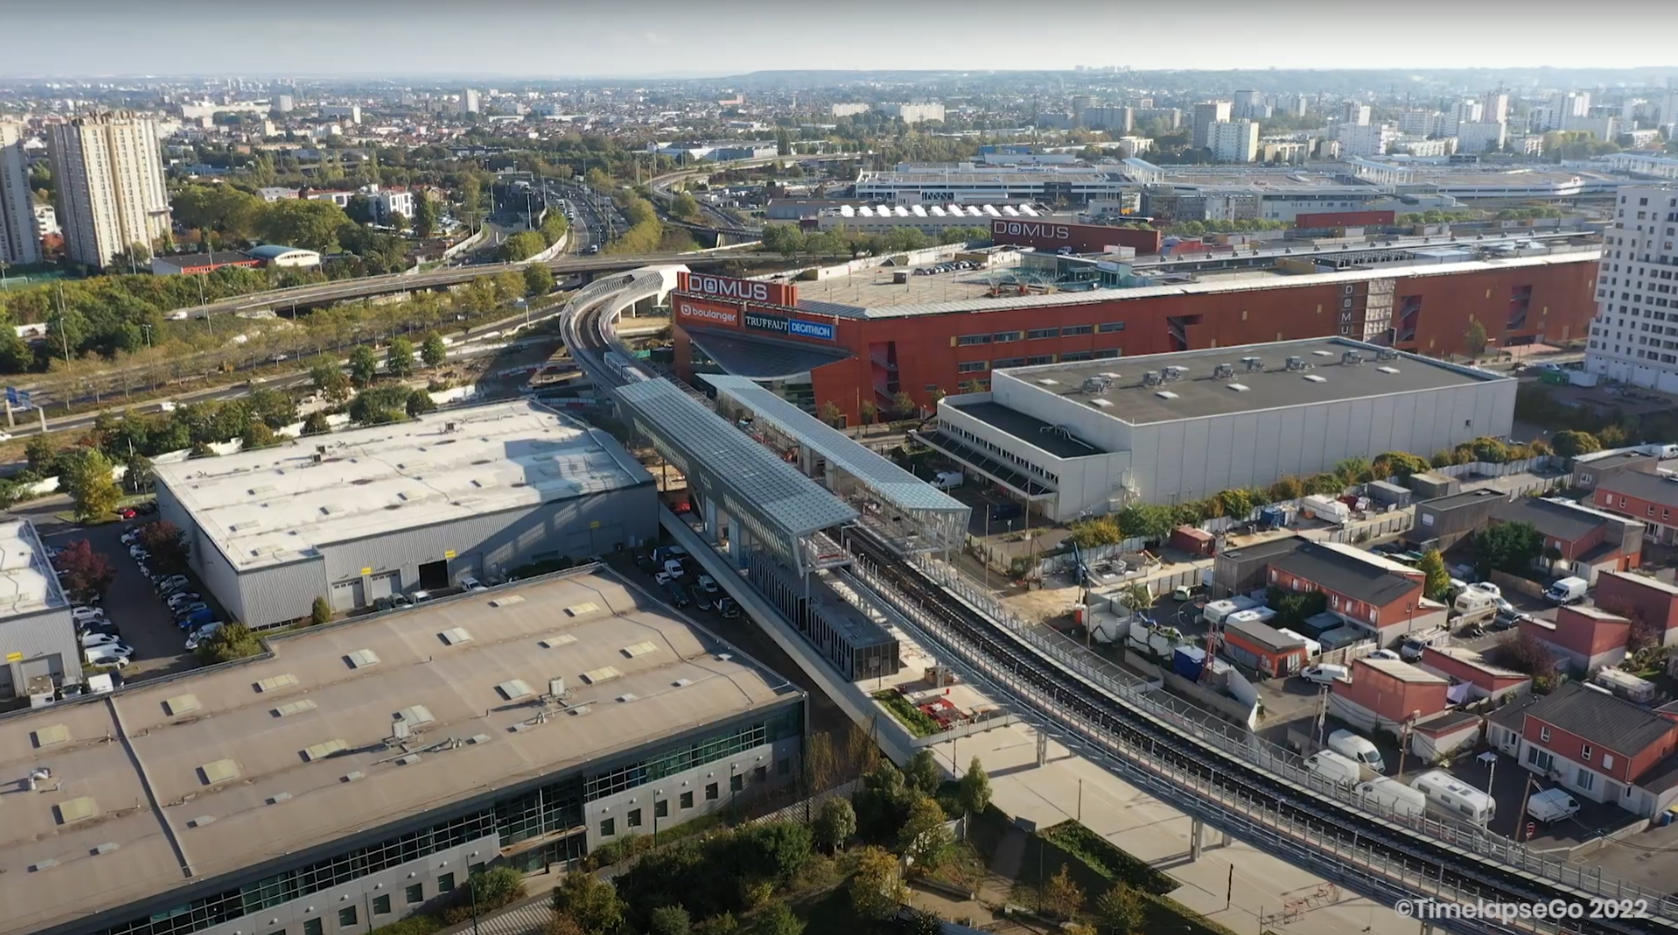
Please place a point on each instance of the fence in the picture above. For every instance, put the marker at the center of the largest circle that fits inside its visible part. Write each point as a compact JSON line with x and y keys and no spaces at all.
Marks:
{"x":964,"y":729}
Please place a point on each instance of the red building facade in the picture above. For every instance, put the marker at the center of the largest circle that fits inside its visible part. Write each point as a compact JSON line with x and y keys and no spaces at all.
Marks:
{"x":920,"y":355}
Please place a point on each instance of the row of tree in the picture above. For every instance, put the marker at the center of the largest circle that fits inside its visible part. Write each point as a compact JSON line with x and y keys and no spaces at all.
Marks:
{"x":524,"y":245}
{"x":791,"y":242}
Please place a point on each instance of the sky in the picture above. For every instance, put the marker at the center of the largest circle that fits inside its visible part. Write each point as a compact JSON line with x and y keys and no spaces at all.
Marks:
{"x":625,"y":38}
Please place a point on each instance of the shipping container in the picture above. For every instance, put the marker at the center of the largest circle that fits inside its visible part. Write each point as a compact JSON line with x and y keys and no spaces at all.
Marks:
{"x":1326,"y":509}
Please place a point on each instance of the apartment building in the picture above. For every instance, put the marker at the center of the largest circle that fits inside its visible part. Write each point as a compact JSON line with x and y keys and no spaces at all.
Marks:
{"x":1634,"y":337}
{"x":1205,"y":116}
{"x":1235,"y":141}
{"x":20,"y":240}
{"x":110,"y":185}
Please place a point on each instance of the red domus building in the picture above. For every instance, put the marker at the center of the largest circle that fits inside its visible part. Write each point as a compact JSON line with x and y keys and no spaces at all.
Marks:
{"x":877,"y":332}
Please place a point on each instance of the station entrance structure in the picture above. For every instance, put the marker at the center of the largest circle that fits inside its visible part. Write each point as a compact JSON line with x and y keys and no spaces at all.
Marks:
{"x":908,"y":512}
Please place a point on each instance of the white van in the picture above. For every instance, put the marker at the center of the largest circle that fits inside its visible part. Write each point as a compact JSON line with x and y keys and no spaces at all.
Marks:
{"x":1390,"y":795}
{"x":1451,"y":796}
{"x":1567,"y":591}
{"x":1326,"y":674}
{"x":948,"y":480}
{"x":1359,"y":749}
{"x":1334,"y":768}
{"x":1552,"y":805}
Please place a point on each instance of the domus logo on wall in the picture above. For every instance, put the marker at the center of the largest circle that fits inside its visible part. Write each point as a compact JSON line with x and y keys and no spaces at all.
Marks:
{"x":742,"y":290}
{"x":1030,"y":229}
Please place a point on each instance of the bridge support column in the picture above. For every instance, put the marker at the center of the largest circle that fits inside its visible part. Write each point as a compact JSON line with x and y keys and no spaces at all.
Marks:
{"x":1197,"y":830}
{"x":711,"y":521}
{"x":1042,"y":748}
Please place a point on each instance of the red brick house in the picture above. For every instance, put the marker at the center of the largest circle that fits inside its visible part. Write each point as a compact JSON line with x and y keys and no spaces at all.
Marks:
{"x":1385,"y":693}
{"x":1588,"y":541}
{"x":1650,"y":499}
{"x":1603,"y":748}
{"x":1365,"y":593}
{"x":1642,"y":597}
{"x":1465,"y":666}
{"x":1583,"y":638}
{"x":1263,"y":648}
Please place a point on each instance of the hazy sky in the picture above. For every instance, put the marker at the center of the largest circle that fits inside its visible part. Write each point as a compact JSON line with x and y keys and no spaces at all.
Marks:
{"x":565,"y":38}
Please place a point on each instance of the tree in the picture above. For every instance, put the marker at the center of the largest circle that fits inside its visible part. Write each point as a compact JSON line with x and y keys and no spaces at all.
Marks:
{"x":875,"y":889}
{"x":418,"y":403}
{"x":1436,"y":578}
{"x":591,"y":901}
{"x":316,"y":424}
{"x":84,"y":573}
{"x":364,"y":365}
{"x":1352,"y":471}
{"x":1062,"y":898}
{"x":538,"y":280}
{"x":923,"y":773}
{"x":425,"y":215}
{"x":399,"y":359}
{"x":43,"y":457}
{"x":433,"y":351}
{"x":973,"y":792}
{"x":520,"y":246}
{"x":137,"y":473}
{"x":1474,"y":339}
{"x":829,"y":413}
{"x":1120,"y":911}
{"x":1509,"y":547}
{"x":1152,"y":522}
{"x":320,"y":612}
{"x":1525,"y":652}
{"x":1568,"y":444}
{"x":1286,"y":488}
{"x":903,"y":405}
{"x":496,"y":887}
{"x":562,"y":924}
{"x":168,"y":546}
{"x":232,"y":641}
{"x":330,"y":381}
{"x":777,"y":919}
{"x":684,"y":206}
{"x":1136,"y":597}
{"x":1399,"y":464}
{"x":924,"y":838}
{"x":716,"y":925}
{"x":303,"y":222}
{"x":95,"y":494}
{"x":669,"y":920}
{"x":258,"y":435}
{"x":835,"y":824}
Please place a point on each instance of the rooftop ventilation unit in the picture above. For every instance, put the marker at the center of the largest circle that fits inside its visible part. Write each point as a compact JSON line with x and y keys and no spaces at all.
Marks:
{"x":1152,"y":378}
{"x":1253,"y":363}
{"x":1386,"y":353}
{"x":1351,"y":359}
{"x":1297,"y":364}
{"x":1223,"y":372}
{"x":1174,"y":373}
{"x":1097,"y":384}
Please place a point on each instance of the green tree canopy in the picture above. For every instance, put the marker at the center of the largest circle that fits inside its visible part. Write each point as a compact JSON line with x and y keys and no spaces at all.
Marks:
{"x":1571,"y":443}
{"x":1508,"y":547}
{"x":538,"y":280}
{"x":364,"y":365}
{"x":92,"y":489}
{"x":306,"y":223}
{"x":399,"y":358}
{"x":973,"y":792}
{"x":1436,"y":578}
{"x":434,"y":352}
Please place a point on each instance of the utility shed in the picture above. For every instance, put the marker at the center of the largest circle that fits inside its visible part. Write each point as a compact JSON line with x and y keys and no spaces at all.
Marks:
{"x":38,"y":649}
{"x":373,"y":512}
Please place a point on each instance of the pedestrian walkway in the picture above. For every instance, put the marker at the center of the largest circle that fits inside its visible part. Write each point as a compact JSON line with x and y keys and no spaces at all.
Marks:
{"x":1265,"y":893}
{"x":529,"y":916}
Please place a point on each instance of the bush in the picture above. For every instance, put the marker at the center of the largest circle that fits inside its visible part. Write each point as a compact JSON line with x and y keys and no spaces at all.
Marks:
{"x":320,"y":612}
{"x":1295,"y":606}
{"x":420,"y":923}
{"x":906,"y":713}
{"x":1106,"y":859}
{"x":496,"y":887}
{"x":233,"y":641}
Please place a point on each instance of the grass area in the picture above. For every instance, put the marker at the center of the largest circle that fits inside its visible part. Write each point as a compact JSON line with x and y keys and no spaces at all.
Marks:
{"x":830,"y":913}
{"x":906,"y":713}
{"x":1101,"y":856}
{"x":964,"y":868}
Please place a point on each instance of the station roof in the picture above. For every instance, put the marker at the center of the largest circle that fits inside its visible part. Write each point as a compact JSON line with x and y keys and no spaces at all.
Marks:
{"x":276,"y":505}
{"x":878,"y":474}
{"x":278,"y":754}
{"x":762,"y":358}
{"x":28,"y":584}
{"x":1124,"y":397}
{"x":718,"y":452}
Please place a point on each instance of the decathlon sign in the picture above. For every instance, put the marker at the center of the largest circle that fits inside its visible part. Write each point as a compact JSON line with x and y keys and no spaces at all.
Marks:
{"x":704,"y":313}
{"x":739,"y":290}
{"x":820,"y":330}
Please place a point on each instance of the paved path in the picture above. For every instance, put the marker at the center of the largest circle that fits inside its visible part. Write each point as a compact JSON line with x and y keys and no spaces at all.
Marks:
{"x":529,"y":916}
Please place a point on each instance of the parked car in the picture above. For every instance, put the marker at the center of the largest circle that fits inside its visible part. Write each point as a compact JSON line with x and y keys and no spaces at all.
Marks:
{"x":98,"y":639}
{"x":150,"y":506}
{"x":187,"y":610}
{"x":1384,"y":654}
{"x":138,"y":553}
{"x":81,"y":613}
{"x":469,"y":583}
{"x":673,"y":567}
{"x":128,"y":512}
{"x":391,"y":602}
{"x":131,"y":536}
{"x":201,"y":634}
{"x":197,"y":619}
{"x":709,"y":585}
{"x":182,"y":598}
{"x":727,"y":607}
{"x":1326,"y":674}
{"x":702,"y":600}
{"x":1552,"y":805}
{"x":1487,"y":587}
{"x":644,"y":561}
{"x":677,"y":594}
{"x":171,"y":582}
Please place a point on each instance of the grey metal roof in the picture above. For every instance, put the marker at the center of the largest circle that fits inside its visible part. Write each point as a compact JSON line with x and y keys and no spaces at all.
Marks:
{"x":1651,"y":487}
{"x":880,"y":475}
{"x":1353,"y":577}
{"x":1556,"y":520}
{"x":1029,"y":429}
{"x":780,"y":495}
{"x":1601,"y":719}
{"x":762,"y":358}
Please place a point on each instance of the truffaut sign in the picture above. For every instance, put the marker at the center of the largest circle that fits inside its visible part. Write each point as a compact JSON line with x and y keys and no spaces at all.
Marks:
{"x":1082,"y":238}
{"x":705,"y":313}
{"x":740,"y":290}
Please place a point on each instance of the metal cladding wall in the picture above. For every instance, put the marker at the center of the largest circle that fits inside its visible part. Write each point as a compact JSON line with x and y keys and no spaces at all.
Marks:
{"x":1346,"y":219}
{"x":45,"y":644}
{"x":1082,"y":238}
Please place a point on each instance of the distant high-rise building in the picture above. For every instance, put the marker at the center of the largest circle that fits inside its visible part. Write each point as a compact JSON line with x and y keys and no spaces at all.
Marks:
{"x":914,"y":113}
{"x":284,"y":103}
{"x":109,"y":174}
{"x":471,"y":102}
{"x":1365,"y":139}
{"x":1624,"y":346}
{"x":1113,"y":119}
{"x":1481,"y":136}
{"x":1234,"y":141}
{"x":20,"y":240}
{"x":1248,"y":105}
{"x":1419,"y":122}
{"x":1465,"y":111}
{"x":1292,"y":105}
{"x":1205,"y":115}
{"x":1353,"y":114}
{"x":849,"y":110}
{"x":1494,"y":107}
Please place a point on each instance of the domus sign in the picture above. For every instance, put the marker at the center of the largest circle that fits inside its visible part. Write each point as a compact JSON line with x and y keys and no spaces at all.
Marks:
{"x":1081,"y":238}
{"x":739,"y":290}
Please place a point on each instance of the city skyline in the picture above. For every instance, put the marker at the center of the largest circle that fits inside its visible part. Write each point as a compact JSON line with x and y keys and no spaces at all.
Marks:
{"x":653,"y":39}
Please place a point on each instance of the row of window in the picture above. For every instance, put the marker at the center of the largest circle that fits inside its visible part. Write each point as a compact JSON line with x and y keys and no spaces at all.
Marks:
{"x":720,"y":746}
{"x":998,"y":450}
{"x":1037,"y":334}
{"x":661,"y":807}
{"x":1070,"y":357}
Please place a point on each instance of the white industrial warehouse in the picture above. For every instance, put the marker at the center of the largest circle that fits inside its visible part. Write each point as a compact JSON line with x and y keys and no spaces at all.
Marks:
{"x":1087,"y":438}
{"x":37,"y":639}
{"x":374,"y":512}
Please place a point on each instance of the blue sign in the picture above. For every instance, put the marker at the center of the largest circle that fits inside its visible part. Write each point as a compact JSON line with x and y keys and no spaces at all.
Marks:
{"x":23,"y":400}
{"x":11,"y":395}
{"x":810,"y":329}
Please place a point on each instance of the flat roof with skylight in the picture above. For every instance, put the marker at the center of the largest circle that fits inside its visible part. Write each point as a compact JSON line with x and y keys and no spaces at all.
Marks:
{"x":276,"y":505}
{"x":1225,"y":381}
{"x":28,"y":584}
{"x":177,"y":781}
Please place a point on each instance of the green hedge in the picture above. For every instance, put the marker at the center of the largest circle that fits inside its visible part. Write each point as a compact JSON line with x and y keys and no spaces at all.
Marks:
{"x":1101,"y":856}
{"x":417,"y":924}
{"x":905,"y":711}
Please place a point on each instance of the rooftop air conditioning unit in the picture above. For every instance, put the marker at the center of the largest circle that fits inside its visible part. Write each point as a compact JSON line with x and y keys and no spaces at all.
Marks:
{"x":316,"y":457}
{"x":1096,"y":384}
{"x":1296,"y":363}
{"x":1174,"y":373}
{"x":1152,"y":378}
{"x":1351,"y":359}
{"x":1223,"y":372}
{"x":1253,"y":363}
{"x":1386,"y":353}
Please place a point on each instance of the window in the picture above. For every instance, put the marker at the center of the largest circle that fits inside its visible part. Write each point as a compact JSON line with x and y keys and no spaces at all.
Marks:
{"x":1107,"y":354}
{"x":736,"y":782}
{"x":1608,"y":761}
{"x":661,"y":808}
{"x":710,"y":792}
{"x":1041,"y":359}
{"x":313,"y":927}
{"x":1039,"y":333}
{"x":608,"y":827}
{"x":634,"y":818}
{"x":1077,"y":330}
{"x":1108,"y":327}
{"x":1075,"y":356}
{"x":1544,"y":734}
{"x":1586,"y":780}
{"x":381,"y":905}
{"x":445,"y":883}
{"x":973,"y":366}
{"x":760,"y":774}
{"x":1004,"y":336}
{"x":346,"y":917}
{"x":1540,"y":759}
{"x":414,"y":894}
{"x":687,"y":800}
{"x":1585,"y":752}
{"x":1007,"y":362}
{"x":967,"y":340}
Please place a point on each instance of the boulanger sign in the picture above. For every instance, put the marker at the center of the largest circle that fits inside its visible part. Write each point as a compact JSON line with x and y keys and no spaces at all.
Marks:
{"x":705,"y":313}
{"x":820,"y":330}
{"x":740,"y":290}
